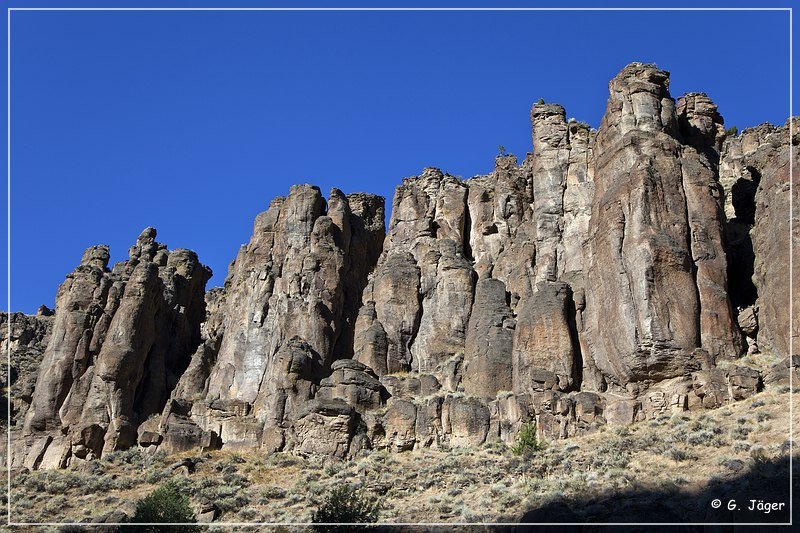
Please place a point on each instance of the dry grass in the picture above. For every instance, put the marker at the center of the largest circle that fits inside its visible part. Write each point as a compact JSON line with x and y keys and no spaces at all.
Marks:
{"x":673,"y":454}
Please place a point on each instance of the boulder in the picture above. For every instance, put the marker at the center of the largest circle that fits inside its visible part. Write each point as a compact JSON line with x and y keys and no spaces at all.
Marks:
{"x":325,"y":428}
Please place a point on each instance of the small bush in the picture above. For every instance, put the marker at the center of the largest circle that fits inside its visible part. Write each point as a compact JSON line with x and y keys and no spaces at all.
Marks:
{"x":166,"y":504}
{"x":733,"y":131}
{"x":526,"y":442}
{"x":345,"y":505}
{"x":740,"y":432}
{"x":273,"y":493}
{"x":676,"y":454}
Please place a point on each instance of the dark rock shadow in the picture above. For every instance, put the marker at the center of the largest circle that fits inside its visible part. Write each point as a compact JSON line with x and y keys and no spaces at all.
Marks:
{"x":767,"y":481}
{"x":741,"y":256}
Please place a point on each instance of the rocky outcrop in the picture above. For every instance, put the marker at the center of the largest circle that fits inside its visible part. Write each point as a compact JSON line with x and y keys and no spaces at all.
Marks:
{"x":612,"y":276}
{"x":420,"y":294}
{"x":488,"y":364}
{"x":659,"y":287}
{"x":548,"y":169}
{"x":285,"y":315}
{"x":24,"y":338}
{"x":754,"y":171}
{"x":544,"y":354}
{"x":701,"y":127}
{"x":120,"y":341}
{"x":773,"y":245}
{"x":502,"y":231}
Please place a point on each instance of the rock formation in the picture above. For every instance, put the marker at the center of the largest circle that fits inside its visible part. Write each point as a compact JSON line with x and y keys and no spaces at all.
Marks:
{"x":287,"y":312}
{"x":26,"y":337}
{"x":599,"y":281}
{"x":120,"y":341}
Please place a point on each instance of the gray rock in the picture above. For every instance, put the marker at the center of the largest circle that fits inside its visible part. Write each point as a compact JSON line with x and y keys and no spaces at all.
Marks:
{"x":594,"y":283}
{"x":325,"y":428}
{"x":24,"y":338}
{"x":120,"y":342}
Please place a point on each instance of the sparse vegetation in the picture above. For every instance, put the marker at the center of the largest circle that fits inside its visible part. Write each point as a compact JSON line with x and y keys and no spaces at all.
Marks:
{"x":670,"y":453}
{"x":733,"y":131}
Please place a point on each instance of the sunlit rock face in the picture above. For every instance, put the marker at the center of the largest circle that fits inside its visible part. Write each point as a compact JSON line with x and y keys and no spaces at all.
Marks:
{"x":597,"y":281}
{"x":658,"y":288}
{"x":120,"y":341}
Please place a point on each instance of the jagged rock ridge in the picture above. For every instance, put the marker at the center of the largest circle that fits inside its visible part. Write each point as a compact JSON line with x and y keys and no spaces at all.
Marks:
{"x":600,"y":281}
{"x":120,"y":340}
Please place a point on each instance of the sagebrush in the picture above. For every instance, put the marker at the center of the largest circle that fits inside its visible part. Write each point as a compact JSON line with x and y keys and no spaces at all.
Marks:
{"x":345,"y":505}
{"x":166,"y":504}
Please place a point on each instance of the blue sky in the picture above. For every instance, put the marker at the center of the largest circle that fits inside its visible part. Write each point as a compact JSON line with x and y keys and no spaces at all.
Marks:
{"x":193,"y":121}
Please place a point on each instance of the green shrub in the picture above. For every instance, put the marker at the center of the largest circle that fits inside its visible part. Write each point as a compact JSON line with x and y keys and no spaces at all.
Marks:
{"x":733,"y":131}
{"x":166,"y":504}
{"x":526,"y":442}
{"x":345,"y":504}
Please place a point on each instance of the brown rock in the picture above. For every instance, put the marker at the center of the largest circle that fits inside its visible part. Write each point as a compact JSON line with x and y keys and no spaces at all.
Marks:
{"x":490,"y":336}
{"x":778,"y":374}
{"x":770,"y":237}
{"x":465,"y":420}
{"x":748,"y":320}
{"x":325,"y":428}
{"x":121,"y":341}
{"x":400,"y":422}
{"x":701,"y":125}
{"x":651,"y":267}
{"x":543,"y":340}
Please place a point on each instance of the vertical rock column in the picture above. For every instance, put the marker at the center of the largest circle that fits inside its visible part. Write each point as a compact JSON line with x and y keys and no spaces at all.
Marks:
{"x":545,"y":340}
{"x":772,"y":246}
{"x":548,"y":171}
{"x":701,"y":128}
{"x":577,"y":201}
{"x":289,"y":302}
{"x":642,"y":307}
{"x":418,"y":300}
{"x":502,"y":230}
{"x":487,"y":360}
{"x":120,"y":341}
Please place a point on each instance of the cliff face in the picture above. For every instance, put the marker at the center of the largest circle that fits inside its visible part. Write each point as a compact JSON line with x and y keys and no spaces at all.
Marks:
{"x":287,"y":312}
{"x":120,"y":341}
{"x":598,"y":282}
{"x":25,"y":337}
{"x":657,"y":261}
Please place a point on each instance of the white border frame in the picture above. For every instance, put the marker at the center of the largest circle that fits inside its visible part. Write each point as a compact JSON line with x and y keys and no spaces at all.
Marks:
{"x":424,"y":524}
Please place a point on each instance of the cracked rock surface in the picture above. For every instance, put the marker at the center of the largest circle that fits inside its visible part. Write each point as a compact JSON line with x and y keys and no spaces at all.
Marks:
{"x":610,"y":276}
